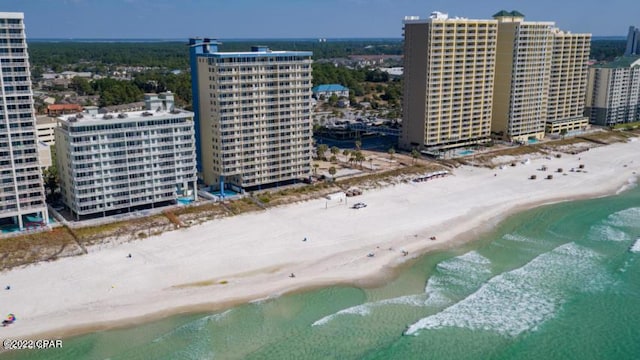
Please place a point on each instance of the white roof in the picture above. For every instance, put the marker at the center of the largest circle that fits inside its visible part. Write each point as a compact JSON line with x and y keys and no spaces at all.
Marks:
{"x":87,"y":119}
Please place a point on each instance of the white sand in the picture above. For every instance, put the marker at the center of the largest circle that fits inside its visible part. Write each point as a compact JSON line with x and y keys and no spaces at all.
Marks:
{"x":256,"y":252}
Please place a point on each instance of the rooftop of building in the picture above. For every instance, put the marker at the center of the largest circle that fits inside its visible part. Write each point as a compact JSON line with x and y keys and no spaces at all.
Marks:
{"x":210,"y":48}
{"x":436,"y":15}
{"x":156,"y":106}
{"x":84,"y":118}
{"x":329,"y":87}
{"x":11,"y":15}
{"x":505,"y":13}
{"x":621,"y":62}
{"x":122,"y":107}
{"x":45,"y":119}
{"x":57,"y":107}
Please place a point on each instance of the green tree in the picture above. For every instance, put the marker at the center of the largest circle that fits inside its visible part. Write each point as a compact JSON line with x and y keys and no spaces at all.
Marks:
{"x":335,"y":150}
{"x":50,"y":177}
{"x":81,"y":86}
{"x":321,"y":150}
{"x":359,"y":157}
{"x":415,"y":154}
{"x":358,"y":145}
{"x":391,"y":152}
{"x":332,"y":172}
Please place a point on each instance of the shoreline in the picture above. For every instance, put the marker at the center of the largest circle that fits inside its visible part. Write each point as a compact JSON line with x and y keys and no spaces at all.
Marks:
{"x":162,"y":290}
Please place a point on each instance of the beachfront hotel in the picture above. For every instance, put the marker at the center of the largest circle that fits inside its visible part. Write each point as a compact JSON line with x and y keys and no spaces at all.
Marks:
{"x":252,"y":115}
{"x":22,"y":195}
{"x":449,"y":66}
{"x":613,"y":93}
{"x":540,"y":79}
{"x":119,"y":162}
{"x":568,"y":83}
{"x":523,"y":71}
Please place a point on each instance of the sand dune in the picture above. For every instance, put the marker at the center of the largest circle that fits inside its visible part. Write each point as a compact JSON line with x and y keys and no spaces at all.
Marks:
{"x":255,"y":253}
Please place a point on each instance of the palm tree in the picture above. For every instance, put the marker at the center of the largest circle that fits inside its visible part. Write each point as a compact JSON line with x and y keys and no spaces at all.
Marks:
{"x":391,"y":151}
{"x":352,"y":158}
{"x":415,"y":154}
{"x":322,"y":148}
{"x":358,"y":145}
{"x":346,"y":153}
{"x":334,"y":150}
{"x":332,"y":172}
{"x":359,"y":158}
{"x":315,"y":168}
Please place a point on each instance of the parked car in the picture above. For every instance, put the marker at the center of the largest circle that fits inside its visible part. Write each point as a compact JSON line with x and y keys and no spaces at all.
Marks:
{"x":359,"y":205}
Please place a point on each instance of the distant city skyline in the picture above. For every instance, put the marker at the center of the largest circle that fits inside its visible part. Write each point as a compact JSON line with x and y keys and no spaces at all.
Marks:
{"x":294,"y":18}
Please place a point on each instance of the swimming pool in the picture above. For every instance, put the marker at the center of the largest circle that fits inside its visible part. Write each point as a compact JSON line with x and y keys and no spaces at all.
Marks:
{"x":465,"y":152}
{"x":185,"y":200}
{"x":226,"y":193}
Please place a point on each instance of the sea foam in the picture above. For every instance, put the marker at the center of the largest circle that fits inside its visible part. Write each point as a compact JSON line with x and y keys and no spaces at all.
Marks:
{"x":626,"y":218}
{"x":636,"y":246}
{"x":607,"y":233}
{"x":521,"y":299}
{"x":465,"y":272}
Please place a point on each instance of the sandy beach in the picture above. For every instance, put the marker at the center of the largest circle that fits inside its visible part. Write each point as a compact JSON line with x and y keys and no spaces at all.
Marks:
{"x":251,"y":256}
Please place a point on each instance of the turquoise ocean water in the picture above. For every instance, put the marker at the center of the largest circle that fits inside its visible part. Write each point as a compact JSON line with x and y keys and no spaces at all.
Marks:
{"x":556,"y":282}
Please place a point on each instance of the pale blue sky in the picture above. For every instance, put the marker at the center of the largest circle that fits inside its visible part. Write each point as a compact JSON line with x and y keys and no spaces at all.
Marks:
{"x":296,"y":18}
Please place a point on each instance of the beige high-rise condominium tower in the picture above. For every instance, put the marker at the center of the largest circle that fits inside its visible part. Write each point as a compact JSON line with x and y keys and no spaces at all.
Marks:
{"x":568,"y":82}
{"x":22,"y":198}
{"x":448,"y":81}
{"x":253,"y":115}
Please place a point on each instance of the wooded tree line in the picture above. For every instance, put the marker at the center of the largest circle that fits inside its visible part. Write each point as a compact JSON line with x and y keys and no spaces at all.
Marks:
{"x":85,"y":56}
{"x":114,"y":91}
{"x":607,"y":49}
{"x":170,"y":55}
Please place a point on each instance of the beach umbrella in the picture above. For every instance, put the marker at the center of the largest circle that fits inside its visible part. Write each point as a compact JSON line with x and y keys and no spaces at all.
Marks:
{"x":11,"y":317}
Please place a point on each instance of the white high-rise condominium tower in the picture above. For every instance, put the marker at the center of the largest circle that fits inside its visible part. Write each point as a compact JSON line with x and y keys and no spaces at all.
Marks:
{"x":22,"y":197}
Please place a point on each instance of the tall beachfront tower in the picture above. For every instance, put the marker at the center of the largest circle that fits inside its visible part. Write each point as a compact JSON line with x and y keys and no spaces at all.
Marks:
{"x":253,"y":115}
{"x":523,"y":72}
{"x":22,"y":196}
{"x":613,"y":93}
{"x":449,"y":66}
{"x":633,"y":42}
{"x":568,"y":83}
